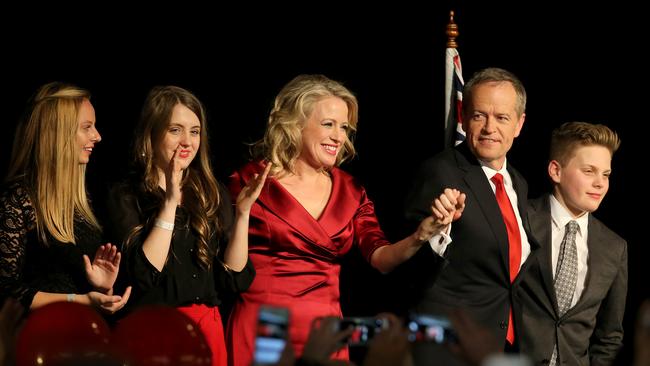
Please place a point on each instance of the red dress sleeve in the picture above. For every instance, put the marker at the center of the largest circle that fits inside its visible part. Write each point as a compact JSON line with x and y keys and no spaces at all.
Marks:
{"x":367,"y":231}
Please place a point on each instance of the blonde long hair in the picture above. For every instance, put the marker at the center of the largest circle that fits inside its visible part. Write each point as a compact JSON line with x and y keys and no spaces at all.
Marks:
{"x":45,"y":155}
{"x":282,"y":139}
{"x":200,"y":190}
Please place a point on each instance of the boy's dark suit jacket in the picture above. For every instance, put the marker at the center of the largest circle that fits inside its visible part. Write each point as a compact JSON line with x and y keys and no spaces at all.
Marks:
{"x":589,"y":333}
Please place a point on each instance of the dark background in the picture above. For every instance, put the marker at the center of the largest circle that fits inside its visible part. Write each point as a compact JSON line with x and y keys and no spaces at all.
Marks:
{"x":578,"y":63}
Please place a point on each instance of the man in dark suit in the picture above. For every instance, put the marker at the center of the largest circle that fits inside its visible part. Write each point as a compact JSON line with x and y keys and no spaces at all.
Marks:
{"x":573,"y":295}
{"x":476,"y":264}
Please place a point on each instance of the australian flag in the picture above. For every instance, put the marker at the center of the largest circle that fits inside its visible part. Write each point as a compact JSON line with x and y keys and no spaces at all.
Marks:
{"x":454,"y":133}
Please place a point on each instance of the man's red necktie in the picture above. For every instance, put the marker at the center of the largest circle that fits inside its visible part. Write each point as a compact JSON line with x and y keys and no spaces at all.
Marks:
{"x":514,"y":240}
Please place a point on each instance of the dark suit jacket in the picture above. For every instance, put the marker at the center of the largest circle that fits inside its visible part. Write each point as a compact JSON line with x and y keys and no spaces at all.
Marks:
{"x":591,"y":332}
{"x":474,"y":274}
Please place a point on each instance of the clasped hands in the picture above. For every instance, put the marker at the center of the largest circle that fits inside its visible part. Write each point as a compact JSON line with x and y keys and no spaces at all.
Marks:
{"x":445,"y":209}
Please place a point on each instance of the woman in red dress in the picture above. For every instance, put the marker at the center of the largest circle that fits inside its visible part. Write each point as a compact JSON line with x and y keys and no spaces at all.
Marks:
{"x":310,"y":213}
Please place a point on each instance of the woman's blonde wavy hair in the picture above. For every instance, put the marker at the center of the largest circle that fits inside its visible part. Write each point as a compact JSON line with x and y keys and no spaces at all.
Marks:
{"x":45,"y":155}
{"x":282,"y":139}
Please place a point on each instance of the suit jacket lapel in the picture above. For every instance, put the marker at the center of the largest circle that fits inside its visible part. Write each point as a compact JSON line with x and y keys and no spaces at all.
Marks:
{"x":477,"y":182}
{"x":520,"y":186}
{"x":540,"y":230}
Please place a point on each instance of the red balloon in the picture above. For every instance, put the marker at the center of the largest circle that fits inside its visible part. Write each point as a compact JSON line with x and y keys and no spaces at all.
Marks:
{"x":160,"y":335}
{"x":62,"y":333}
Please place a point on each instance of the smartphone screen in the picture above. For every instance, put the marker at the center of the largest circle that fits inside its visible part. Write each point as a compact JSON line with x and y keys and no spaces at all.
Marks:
{"x":363,"y":329}
{"x":272,"y":325}
{"x":430,"y":328}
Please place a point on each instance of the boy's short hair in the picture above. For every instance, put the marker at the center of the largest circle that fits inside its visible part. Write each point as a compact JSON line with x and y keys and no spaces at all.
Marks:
{"x":571,"y":135}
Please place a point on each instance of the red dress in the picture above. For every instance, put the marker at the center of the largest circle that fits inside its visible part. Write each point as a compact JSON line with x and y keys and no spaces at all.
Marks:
{"x":296,"y":257}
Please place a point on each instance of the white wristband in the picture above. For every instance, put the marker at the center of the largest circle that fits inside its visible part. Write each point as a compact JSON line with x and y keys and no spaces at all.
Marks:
{"x":164,"y":224}
{"x":70,"y":297}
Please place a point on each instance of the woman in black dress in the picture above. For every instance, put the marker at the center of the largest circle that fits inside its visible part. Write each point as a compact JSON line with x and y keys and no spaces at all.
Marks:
{"x":48,"y":230}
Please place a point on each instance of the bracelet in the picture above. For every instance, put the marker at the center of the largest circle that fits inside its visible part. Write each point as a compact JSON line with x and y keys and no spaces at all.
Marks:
{"x":70,"y":297}
{"x":164,"y":224}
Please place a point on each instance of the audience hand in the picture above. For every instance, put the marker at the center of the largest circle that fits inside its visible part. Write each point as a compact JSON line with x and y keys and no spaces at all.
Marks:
{"x":390,"y":346}
{"x":324,"y":339}
{"x":475,"y":342}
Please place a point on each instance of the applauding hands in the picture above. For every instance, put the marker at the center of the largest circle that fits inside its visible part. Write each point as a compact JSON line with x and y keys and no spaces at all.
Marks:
{"x":101,"y":274}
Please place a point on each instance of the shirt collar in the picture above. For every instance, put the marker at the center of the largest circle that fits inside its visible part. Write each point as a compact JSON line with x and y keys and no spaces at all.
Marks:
{"x":560,"y":216}
{"x":490,"y":172}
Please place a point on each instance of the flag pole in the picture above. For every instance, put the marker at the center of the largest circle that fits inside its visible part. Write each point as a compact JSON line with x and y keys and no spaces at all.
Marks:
{"x":452,"y":31}
{"x":453,"y":86}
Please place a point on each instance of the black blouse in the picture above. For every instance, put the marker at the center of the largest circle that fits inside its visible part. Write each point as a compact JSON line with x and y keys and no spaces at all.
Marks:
{"x":182,"y":280}
{"x":27,"y":265}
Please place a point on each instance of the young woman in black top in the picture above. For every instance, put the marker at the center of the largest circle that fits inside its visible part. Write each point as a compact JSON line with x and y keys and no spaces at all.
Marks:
{"x":182,"y":245}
